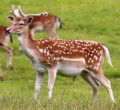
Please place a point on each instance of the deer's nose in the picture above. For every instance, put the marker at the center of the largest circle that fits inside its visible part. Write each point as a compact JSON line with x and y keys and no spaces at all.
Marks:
{"x":8,"y":30}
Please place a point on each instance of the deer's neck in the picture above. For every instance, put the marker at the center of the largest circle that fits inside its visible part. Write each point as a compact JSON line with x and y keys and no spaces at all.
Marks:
{"x":25,"y":39}
{"x":26,"y":43}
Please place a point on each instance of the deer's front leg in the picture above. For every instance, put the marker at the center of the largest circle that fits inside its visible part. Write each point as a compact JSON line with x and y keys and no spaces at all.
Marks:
{"x":9,"y":55}
{"x":9,"y":60}
{"x":39,"y":79}
{"x":51,"y":79}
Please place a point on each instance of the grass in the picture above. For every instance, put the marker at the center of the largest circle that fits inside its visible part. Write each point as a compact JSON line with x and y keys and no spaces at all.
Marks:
{"x":96,"y":20}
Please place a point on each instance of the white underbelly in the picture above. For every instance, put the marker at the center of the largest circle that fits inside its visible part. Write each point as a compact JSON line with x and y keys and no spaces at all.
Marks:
{"x":68,"y":70}
{"x":40,"y":28}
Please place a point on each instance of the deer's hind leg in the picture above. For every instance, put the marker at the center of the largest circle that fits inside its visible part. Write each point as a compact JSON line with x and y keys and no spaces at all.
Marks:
{"x":9,"y":55}
{"x":98,"y":75}
{"x":92,"y":81}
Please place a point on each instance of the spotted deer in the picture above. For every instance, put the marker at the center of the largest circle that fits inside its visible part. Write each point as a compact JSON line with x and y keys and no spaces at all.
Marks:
{"x":69,"y":58}
{"x":4,"y":38}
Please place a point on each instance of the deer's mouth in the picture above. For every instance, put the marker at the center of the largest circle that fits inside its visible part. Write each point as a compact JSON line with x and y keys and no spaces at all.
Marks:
{"x":16,"y":32}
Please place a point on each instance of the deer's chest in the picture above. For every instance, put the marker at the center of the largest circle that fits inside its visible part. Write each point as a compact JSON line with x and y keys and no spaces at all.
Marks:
{"x":39,"y":67}
{"x":24,"y":47}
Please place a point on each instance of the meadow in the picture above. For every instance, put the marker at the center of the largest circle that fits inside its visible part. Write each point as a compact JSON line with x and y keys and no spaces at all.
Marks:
{"x":97,"y":20}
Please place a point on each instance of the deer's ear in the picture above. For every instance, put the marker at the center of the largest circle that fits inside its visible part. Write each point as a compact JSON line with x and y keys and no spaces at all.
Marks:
{"x":29,"y":20}
{"x":11,"y":18}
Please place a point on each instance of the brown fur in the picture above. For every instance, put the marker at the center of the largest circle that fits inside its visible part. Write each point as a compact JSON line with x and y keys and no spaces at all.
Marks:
{"x":45,"y":21}
{"x":3,"y":34}
{"x":4,"y":46}
{"x":48,"y":24}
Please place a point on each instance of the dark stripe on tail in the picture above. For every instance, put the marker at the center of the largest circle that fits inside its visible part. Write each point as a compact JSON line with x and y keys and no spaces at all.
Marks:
{"x":60,"y":23}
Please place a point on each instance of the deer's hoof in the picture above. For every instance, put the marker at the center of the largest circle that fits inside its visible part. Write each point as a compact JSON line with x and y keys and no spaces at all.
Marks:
{"x":12,"y":67}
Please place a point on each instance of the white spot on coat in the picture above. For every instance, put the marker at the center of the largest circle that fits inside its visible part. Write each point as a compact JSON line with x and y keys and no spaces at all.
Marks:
{"x":41,"y":50}
{"x":94,"y":67}
{"x":47,"y":53}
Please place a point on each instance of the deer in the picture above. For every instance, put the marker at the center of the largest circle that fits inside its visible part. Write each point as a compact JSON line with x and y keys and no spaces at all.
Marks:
{"x":4,"y":38}
{"x":68,"y":58}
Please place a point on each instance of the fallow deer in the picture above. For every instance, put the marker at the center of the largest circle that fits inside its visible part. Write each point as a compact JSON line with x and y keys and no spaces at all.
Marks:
{"x":68,"y":58}
{"x":4,"y":38}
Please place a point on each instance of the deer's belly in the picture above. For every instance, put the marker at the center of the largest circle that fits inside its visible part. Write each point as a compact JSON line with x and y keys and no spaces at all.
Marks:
{"x":69,"y":70}
{"x":38,"y":28}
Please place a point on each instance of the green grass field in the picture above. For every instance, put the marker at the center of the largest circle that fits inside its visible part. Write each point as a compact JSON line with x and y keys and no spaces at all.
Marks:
{"x":97,"y":20}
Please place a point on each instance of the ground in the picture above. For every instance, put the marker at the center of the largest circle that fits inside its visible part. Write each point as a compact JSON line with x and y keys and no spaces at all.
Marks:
{"x":96,"y":20}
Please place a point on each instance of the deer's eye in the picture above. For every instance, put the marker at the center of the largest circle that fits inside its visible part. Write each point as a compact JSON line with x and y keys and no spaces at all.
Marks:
{"x":21,"y":24}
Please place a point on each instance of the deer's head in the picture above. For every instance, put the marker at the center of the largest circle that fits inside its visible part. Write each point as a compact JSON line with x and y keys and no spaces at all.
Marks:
{"x":19,"y":25}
